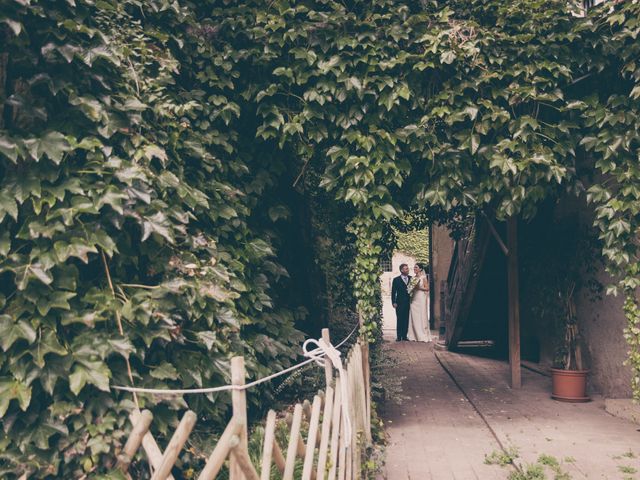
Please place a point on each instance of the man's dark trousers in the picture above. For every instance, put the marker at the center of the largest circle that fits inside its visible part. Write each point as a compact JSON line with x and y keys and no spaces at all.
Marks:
{"x":401,"y":298}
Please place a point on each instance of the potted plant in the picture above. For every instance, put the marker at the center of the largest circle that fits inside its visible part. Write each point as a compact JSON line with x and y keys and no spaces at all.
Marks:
{"x":569,"y":377}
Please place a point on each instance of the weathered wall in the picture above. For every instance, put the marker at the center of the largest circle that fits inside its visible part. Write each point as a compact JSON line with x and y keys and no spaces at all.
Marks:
{"x":442,"y":248}
{"x":601,"y":323}
{"x":605,"y":348}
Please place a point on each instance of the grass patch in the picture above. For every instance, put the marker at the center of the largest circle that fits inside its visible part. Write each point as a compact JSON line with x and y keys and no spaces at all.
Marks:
{"x":502,"y":458}
{"x":548,"y":460}
{"x":629,"y":454}
{"x":627,"y":469}
{"x":533,"y":472}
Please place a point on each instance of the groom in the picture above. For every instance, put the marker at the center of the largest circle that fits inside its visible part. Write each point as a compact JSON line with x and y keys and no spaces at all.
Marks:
{"x":401,"y":300}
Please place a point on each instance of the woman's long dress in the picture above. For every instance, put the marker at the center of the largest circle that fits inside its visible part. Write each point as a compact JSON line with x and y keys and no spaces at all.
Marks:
{"x":419,"y":316}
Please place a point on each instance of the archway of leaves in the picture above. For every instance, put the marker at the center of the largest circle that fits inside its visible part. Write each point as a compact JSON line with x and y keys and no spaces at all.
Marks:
{"x":148,"y":151}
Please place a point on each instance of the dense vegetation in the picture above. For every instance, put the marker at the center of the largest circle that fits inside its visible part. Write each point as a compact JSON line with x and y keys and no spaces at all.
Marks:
{"x":157,"y":158}
{"x":414,"y":243}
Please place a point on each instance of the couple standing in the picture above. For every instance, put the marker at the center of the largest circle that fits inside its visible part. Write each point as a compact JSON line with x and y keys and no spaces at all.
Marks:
{"x":409,"y":296}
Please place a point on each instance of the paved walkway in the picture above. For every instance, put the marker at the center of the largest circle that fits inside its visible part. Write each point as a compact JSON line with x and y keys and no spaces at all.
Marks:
{"x":439,"y":434}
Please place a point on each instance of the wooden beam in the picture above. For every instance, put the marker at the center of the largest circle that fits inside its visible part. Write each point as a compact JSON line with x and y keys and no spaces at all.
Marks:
{"x":514,"y":303}
{"x":496,"y":235}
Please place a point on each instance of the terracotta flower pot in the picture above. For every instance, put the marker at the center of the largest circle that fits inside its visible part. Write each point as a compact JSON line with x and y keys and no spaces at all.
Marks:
{"x":569,"y":385}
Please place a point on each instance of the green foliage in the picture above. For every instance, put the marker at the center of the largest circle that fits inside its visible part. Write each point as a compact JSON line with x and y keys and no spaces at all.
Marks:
{"x":415,"y":243}
{"x":502,"y":457}
{"x":125,"y":196}
{"x":146,"y":141}
{"x":532,"y":472}
{"x":535,"y":471}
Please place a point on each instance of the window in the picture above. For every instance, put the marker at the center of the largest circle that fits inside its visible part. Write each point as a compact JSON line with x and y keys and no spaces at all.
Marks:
{"x":385,"y":263}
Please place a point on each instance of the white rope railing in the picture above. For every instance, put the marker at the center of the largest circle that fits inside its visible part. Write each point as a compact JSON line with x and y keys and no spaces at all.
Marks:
{"x":320,"y":355}
{"x":315,"y":355}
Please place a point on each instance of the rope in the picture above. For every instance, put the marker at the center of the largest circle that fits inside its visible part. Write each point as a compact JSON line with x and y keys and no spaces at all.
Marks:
{"x":227,"y":388}
{"x":319,"y":355}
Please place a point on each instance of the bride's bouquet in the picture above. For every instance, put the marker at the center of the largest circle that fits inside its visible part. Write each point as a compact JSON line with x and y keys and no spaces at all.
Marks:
{"x":411,"y":286}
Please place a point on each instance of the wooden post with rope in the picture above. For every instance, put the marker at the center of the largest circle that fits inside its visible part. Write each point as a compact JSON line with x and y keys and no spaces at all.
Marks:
{"x":328,"y":369}
{"x":336,"y":426}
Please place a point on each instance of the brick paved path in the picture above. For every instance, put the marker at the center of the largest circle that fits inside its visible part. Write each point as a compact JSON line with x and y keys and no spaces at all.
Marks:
{"x":596,"y":444}
{"x":437,"y":433}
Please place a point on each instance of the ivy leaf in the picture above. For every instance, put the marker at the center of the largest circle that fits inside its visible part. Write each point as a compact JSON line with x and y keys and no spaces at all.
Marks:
{"x":16,"y":27}
{"x":208,"y":338}
{"x":8,"y":205}
{"x":5,"y":243}
{"x":93,"y":372}
{"x":53,"y":144}
{"x":76,"y":249}
{"x":447,"y":57}
{"x":11,"y":331}
{"x":9,"y":148}
{"x":12,"y":389}
{"x":278,"y":212}
{"x":388,"y":211}
{"x":164,"y":371}
{"x":154,"y":151}
{"x":40,"y":273}
{"x":475,"y":143}
{"x":157,"y":223}
{"x":48,"y":343}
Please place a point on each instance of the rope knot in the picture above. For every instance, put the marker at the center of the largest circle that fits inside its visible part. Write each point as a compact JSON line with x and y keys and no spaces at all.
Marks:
{"x":319,"y":354}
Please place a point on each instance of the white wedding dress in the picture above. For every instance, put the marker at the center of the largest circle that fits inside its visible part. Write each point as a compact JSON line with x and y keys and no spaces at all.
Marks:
{"x":419,"y":315}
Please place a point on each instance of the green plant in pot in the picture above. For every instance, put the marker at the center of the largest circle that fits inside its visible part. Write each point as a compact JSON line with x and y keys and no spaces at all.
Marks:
{"x":561,"y":263}
{"x":569,"y":377}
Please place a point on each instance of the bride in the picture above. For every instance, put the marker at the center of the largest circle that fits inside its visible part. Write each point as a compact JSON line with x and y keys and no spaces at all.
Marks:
{"x":418,"y":317}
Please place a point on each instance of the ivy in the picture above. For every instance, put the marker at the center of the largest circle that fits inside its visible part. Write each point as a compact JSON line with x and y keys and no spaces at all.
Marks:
{"x":144,"y":146}
{"x":414,"y":243}
{"x":126,"y":199}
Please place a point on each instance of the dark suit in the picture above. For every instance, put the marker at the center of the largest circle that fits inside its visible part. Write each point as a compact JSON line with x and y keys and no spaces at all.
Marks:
{"x":401,"y":298}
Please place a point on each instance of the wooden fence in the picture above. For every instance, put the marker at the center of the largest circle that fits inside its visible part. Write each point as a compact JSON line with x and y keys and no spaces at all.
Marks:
{"x":325,"y":453}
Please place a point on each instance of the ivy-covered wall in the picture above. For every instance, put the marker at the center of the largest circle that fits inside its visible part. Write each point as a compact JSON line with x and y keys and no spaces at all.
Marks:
{"x":152,"y":153}
{"x":414,"y":243}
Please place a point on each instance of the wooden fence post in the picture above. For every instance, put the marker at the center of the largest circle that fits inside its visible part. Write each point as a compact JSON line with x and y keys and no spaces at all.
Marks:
{"x":328,"y":368}
{"x":176,"y":443}
{"x":312,"y":438}
{"x":267,"y":448}
{"x":294,"y":436}
{"x":239,"y":403}
{"x":326,"y":432}
{"x":151,"y":448}
{"x":335,"y":431}
{"x":140,"y":429}
{"x":221,"y":451}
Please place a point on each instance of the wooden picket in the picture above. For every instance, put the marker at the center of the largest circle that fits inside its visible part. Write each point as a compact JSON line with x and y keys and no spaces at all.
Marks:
{"x":325,"y":454}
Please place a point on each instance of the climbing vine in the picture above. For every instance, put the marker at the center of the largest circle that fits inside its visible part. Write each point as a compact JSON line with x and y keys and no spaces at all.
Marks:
{"x":144,"y":149}
{"x":414,"y":243}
